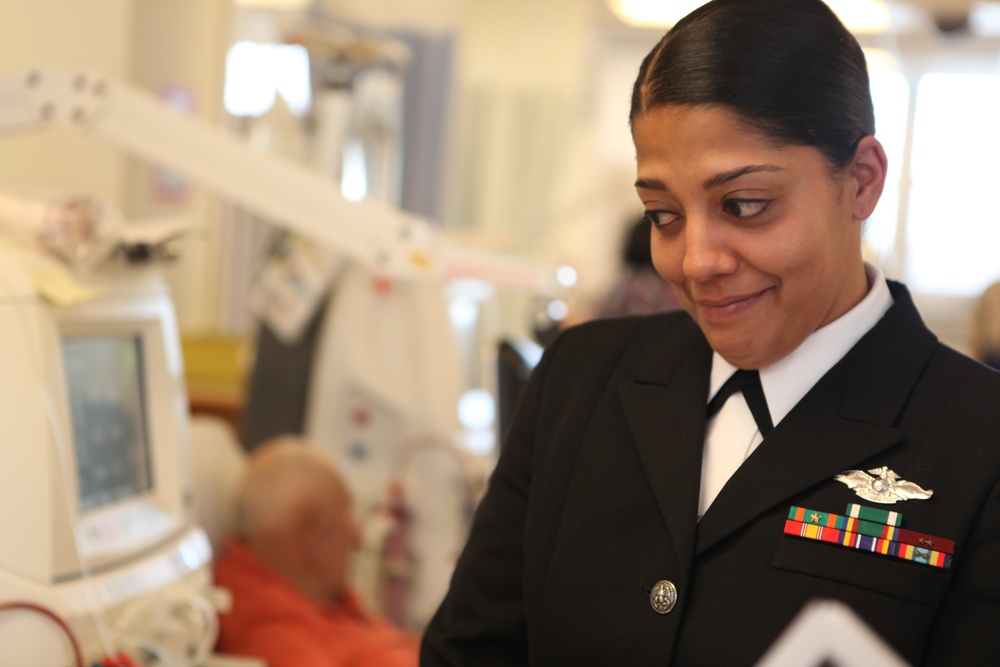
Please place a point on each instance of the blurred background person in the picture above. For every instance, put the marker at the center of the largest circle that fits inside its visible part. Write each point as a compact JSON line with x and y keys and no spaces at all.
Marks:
{"x":640,"y":290}
{"x":287,"y":569}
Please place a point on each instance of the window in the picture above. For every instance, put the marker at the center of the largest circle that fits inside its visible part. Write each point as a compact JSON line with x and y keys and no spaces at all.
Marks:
{"x":256,"y":73}
{"x":890,"y":95}
{"x":952,"y":226}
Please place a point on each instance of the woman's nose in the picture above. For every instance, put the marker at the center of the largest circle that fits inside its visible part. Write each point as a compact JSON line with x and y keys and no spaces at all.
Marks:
{"x":707,"y":250}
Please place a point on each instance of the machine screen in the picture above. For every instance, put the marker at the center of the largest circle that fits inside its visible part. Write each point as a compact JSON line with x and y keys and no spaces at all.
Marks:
{"x":105,"y":384}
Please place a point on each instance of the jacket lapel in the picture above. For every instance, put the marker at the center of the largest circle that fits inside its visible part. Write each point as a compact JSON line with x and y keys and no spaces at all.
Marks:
{"x":847,"y":418}
{"x":665,"y":409}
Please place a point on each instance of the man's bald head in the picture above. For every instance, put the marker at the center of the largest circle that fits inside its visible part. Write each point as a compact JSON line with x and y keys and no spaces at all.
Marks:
{"x":293,"y":511}
{"x":282,"y":474}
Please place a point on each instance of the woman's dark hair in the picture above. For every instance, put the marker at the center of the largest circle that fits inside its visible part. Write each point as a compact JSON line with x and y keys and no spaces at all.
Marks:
{"x":788,"y":67}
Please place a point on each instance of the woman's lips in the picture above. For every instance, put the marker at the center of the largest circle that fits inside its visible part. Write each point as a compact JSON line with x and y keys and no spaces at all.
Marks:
{"x":730,"y":306}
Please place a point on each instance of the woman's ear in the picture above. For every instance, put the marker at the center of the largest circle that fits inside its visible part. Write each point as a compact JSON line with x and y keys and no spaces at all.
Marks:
{"x":868,"y":171}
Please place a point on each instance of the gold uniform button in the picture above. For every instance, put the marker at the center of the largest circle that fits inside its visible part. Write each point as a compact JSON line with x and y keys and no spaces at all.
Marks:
{"x":663,"y":597}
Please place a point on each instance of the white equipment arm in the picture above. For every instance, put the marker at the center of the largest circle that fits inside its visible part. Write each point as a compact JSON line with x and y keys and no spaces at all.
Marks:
{"x":372,"y":233}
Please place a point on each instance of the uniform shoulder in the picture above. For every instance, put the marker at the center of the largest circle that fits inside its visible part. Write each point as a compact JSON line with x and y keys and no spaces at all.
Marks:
{"x":611,"y":329}
{"x":595,"y":348}
{"x":970,"y":370}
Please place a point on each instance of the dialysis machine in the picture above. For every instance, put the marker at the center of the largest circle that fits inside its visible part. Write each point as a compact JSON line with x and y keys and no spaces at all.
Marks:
{"x":100,"y":555}
{"x":401,"y":276}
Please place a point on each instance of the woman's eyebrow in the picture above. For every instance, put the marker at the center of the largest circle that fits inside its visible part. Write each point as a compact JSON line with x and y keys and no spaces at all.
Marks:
{"x":651,"y":184}
{"x":714,"y":181}
{"x":726,"y":177}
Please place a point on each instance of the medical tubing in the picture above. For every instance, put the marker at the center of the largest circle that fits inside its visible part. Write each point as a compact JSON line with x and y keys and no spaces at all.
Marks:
{"x":52,"y":616}
{"x":67,"y":475}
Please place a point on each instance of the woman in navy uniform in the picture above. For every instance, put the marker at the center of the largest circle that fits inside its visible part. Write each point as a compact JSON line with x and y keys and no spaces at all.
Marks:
{"x":636,"y":519}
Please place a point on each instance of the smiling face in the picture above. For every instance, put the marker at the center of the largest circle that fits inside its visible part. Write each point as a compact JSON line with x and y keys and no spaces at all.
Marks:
{"x":761,"y":241}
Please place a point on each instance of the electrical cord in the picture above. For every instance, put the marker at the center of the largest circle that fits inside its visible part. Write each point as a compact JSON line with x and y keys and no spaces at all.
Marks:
{"x":178,"y":627}
{"x":187,"y":606}
{"x":52,"y":616}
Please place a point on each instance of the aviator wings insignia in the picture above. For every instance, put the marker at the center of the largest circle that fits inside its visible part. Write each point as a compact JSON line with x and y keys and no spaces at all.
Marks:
{"x":881,"y":485}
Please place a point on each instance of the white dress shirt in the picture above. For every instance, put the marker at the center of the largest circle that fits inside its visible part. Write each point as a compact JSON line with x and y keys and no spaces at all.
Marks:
{"x":732,"y":435}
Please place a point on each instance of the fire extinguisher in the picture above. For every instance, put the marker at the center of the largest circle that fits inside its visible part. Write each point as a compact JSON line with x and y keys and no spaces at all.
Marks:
{"x":396,"y":562}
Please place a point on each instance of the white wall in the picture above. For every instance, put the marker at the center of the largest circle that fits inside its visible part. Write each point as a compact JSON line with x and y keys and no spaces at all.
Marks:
{"x":179,"y":50}
{"x":157,"y":44}
{"x":93,"y":34}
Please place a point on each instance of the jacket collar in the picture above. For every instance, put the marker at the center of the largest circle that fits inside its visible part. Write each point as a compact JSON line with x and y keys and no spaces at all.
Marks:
{"x":665,"y":409}
{"x":846,"y":418}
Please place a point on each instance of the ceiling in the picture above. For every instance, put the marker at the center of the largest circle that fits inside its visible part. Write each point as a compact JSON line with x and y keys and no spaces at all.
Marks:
{"x":908,"y":16}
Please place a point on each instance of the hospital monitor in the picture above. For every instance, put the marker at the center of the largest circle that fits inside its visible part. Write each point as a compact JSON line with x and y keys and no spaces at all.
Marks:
{"x":97,"y":501}
{"x":106,"y":391}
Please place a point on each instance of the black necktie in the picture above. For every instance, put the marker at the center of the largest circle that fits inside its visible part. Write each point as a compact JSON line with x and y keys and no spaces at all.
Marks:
{"x":747,"y":382}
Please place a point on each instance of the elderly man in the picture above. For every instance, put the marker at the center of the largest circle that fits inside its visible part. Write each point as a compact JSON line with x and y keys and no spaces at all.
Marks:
{"x":287,"y":569}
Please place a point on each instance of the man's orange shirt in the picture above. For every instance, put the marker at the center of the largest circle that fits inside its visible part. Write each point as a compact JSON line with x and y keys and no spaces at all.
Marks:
{"x":273,"y":621}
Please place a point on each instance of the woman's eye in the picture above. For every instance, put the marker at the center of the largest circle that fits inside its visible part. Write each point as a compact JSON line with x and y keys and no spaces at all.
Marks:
{"x":662,"y":219}
{"x":745,"y":208}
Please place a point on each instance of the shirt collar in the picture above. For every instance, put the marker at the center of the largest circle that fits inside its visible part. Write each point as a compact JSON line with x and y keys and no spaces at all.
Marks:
{"x":787,"y":381}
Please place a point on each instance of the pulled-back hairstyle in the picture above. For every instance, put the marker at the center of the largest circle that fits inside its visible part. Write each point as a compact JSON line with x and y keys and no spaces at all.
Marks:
{"x":788,"y":67}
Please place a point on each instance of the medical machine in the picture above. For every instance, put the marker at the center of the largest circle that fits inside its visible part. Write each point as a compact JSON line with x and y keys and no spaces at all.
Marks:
{"x":387,"y":386}
{"x":99,"y":556}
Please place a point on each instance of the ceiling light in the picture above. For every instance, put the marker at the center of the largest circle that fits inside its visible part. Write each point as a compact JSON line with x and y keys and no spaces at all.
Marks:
{"x":863,"y":17}
{"x":273,"y":4}
{"x":652,"y":13}
{"x":860,"y":16}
